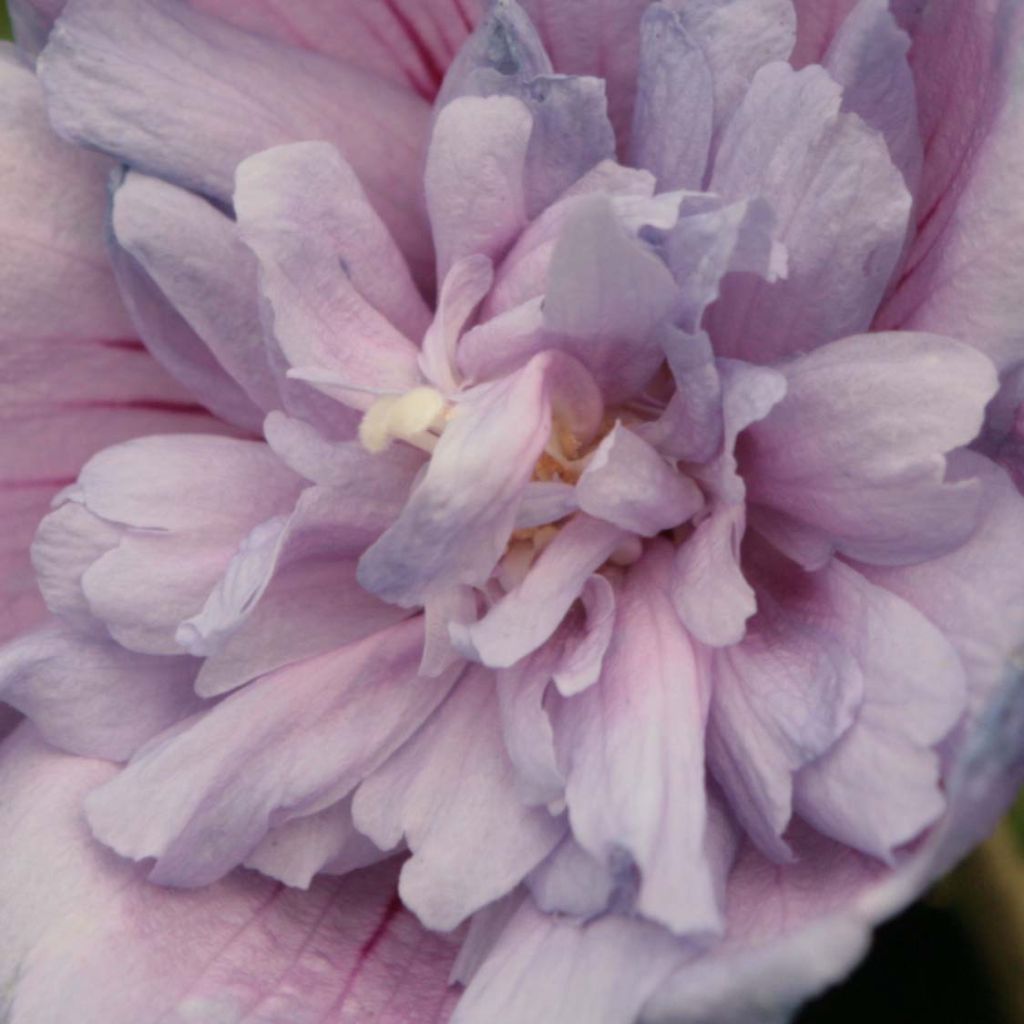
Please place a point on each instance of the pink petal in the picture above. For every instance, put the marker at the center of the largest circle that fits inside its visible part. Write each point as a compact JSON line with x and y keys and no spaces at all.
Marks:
{"x":88,"y":695}
{"x":852,"y":459}
{"x":451,"y":792}
{"x":790,"y":144}
{"x":546,"y":968}
{"x":959,"y":274}
{"x":105,"y":70}
{"x":190,"y":286}
{"x":324,"y":260}
{"x":201,"y":799}
{"x":474,"y":177}
{"x":640,"y":729}
{"x":105,"y":947}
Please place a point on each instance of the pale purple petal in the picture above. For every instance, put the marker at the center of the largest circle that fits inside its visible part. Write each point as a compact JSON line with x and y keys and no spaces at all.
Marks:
{"x":528,"y":615}
{"x":451,"y":792}
{"x":628,"y":483}
{"x":243,"y":94}
{"x":673,"y":115}
{"x":544,"y":967}
{"x":201,"y":799}
{"x":570,"y":881}
{"x":868,"y":58}
{"x":640,"y":730}
{"x":88,"y":695}
{"x":790,"y":144}
{"x":314,"y":277}
{"x":856,"y":449}
{"x":474,"y":177}
{"x":300,"y":849}
{"x":203,"y":272}
{"x":586,"y":646}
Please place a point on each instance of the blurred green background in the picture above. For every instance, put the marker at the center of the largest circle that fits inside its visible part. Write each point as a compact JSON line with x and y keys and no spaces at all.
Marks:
{"x":957,"y":957}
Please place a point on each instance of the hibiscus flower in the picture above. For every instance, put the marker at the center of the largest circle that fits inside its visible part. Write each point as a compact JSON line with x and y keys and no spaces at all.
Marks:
{"x":524,"y":500}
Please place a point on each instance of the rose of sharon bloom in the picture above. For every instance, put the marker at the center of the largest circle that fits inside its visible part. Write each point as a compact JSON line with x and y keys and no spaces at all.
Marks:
{"x":530,"y":525}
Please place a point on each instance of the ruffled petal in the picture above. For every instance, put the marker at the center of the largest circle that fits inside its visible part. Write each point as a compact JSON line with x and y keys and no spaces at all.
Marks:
{"x":105,"y":947}
{"x":790,"y":144}
{"x":640,"y":729}
{"x":961,"y":273}
{"x":451,"y":792}
{"x":88,"y":695}
{"x":329,"y":272}
{"x":474,"y":177}
{"x":852,"y":459}
{"x":544,"y":967}
{"x":106,"y":69}
{"x":628,"y":483}
{"x":190,"y":286}
{"x":530,"y":613}
{"x":200,"y":799}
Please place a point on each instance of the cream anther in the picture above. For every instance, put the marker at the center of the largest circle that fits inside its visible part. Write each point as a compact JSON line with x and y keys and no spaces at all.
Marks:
{"x":415,"y":417}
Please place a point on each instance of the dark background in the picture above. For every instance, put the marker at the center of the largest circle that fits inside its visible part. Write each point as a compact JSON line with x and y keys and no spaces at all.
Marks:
{"x":933,"y":964}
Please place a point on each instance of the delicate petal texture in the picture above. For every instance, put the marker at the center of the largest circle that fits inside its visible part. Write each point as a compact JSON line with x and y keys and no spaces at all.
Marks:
{"x":181,"y":527}
{"x":243,"y":94}
{"x":108,"y":948}
{"x":782,"y":697}
{"x":674,"y":112}
{"x":301,"y":848}
{"x":790,"y":144}
{"x":529,"y":614}
{"x":193,"y":296}
{"x":547,"y":968}
{"x":737,"y":37}
{"x":88,"y":695}
{"x":629,"y":484}
{"x":450,"y":791}
{"x":71,"y":381}
{"x":966,"y":60}
{"x":570,"y":881}
{"x":882,"y":410}
{"x":580,"y":664}
{"x":867,"y":58}
{"x":474,"y":177}
{"x":633,"y":745}
{"x":588,"y":38}
{"x":321,"y":296}
{"x":358,"y":703}
{"x":907,"y":664}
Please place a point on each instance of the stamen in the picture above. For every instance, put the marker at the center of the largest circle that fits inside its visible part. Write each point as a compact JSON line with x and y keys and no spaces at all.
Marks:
{"x":416,"y":417}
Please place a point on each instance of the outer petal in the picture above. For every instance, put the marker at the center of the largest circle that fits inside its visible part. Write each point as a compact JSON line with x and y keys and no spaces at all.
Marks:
{"x":105,"y":947}
{"x":789,"y":144}
{"x":106,"y":69}
{"x":852,"y":458}
{"x":544,"y":967}
{"x":200,"y":799}
{"x":451,"y":792}
{"x":961,"y":274}
{"x":409,"y":43}
{"x":88,"y":695}
{"x":640,"y":730}
{"x":190,"y":285}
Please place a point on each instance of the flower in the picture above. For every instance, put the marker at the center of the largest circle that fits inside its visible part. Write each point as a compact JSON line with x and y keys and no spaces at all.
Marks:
{"x":579,"y":487}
